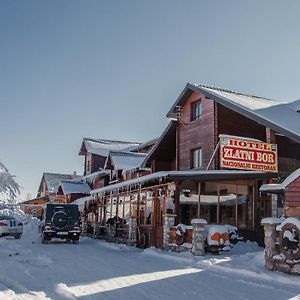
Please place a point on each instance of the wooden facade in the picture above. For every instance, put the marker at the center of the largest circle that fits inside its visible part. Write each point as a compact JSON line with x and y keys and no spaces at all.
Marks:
{"x":292,"y":199}
{"x":217,"y":119}
{"x":196,"y":134}
{"x":34,"y":206}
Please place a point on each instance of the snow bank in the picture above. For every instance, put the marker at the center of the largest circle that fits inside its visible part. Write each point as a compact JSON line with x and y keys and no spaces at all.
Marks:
{"x":290,"y":220}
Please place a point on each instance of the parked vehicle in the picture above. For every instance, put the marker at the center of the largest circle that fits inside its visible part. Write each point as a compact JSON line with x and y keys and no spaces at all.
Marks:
{"x":60,"y":221}
{"x":10,"y":226}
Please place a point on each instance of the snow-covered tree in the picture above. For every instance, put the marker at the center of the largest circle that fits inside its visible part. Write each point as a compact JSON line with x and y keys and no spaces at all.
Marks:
{"x":9,"y":188}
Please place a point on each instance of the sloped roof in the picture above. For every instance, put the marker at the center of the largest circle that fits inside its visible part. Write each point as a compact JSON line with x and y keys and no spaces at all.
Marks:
{"x":277,"y":187}
{"x":93,"y":176}
{"x":295,"y":105}
{"x":53,"y":180}
{"x":102,"y":147}
{"x":278,"y":115}
{"x":81,"y":201}
{"x":145,"y":145}
{"x":74,"y":187}
{"x":122,"y":160}
{"x":169,"y":131}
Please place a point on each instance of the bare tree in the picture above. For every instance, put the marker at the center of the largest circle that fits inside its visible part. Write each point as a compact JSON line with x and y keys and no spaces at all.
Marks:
{"x":9,"y":188}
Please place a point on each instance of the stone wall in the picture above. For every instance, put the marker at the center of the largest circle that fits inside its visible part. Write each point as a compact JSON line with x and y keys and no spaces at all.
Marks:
{"x":199,"y":236}
{"x":169,"y":221}
{"x":275,"y":260}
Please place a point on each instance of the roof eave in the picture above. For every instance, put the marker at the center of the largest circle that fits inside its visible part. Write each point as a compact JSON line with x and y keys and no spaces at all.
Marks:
{"x":159,"y":140}
{"x":184,"y":94}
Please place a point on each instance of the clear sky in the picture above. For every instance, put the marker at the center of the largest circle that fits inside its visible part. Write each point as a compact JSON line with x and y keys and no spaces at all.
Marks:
{"x":112,"y":69}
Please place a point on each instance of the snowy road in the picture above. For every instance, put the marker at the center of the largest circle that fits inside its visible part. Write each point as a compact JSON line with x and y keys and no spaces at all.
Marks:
{"x":98,"y":270}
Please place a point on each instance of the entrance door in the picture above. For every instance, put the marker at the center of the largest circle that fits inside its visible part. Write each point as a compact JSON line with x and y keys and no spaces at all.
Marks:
{"x":157,"y":222}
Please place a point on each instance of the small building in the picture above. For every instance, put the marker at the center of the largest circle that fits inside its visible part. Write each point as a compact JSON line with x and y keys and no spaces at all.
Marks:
{"x":34,"y":206}
{"x":50,"y":183}
{"x":286,"y":194}
{"x":95,"y":152}
{"x":124,"y":165}
{"x":70,"y":190}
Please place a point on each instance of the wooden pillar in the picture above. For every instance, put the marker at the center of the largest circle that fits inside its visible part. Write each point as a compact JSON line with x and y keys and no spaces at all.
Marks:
{"x":199,"y":200}
{"x":218,"y":206}
{"x":123,"y":212}
{"x":270,"y":136}
{"x":253,"y":206}
{"x":177,"y":203}
{"x":236,"y":205}
{"x":138,"y":204}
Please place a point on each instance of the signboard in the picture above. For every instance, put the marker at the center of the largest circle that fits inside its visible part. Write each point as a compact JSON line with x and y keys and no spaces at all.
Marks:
{"x":239,"y":153}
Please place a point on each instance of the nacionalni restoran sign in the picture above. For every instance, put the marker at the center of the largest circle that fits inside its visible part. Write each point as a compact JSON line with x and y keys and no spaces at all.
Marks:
{"x":246,"y":154}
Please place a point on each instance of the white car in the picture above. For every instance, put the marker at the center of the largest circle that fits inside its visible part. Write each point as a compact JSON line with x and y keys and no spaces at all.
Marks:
{"x":9,"y":226}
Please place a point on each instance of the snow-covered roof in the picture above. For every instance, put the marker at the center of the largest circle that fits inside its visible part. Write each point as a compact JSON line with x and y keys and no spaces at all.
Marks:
{"x":74,"y":187}
{"x":91,"y":177}
{"x":102,"y":147}
{"x":196,"y":175}
{"x":53,"y":180}
{"x":122,"y":160}
{"x":277,"y":187}
{"x":82,"y":200}
{"x":145,"y":145}
{"x":279,"y":115}
{"x":295,"y":105}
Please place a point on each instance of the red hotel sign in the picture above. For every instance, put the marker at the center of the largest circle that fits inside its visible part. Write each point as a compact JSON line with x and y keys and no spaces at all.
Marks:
{"x":248,"y":155}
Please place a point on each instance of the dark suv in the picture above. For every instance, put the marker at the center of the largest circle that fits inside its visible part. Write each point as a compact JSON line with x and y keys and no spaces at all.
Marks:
{"x":60,"y":221}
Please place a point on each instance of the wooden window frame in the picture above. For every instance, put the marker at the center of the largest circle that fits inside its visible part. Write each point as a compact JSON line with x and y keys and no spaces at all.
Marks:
{"x":199,"y":158}
{"x":196,"y":113}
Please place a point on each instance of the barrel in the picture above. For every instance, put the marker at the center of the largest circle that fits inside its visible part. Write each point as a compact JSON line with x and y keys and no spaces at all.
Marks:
{"x":172,"y":237}
{"x":189,"y":235}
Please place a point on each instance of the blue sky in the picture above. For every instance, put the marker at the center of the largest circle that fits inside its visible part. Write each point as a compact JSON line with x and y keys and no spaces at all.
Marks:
{"x":112,"y":69}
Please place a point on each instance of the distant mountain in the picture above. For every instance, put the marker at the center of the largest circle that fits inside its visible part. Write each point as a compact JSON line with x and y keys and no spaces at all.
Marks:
{"x":9,"y":188}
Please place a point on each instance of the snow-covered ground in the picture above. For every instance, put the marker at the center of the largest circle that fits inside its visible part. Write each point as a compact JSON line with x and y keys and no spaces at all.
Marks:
{"x":95,"y":269}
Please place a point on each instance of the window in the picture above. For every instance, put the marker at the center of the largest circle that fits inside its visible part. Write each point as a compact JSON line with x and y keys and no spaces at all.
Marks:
{"x":197,"y":158}
{"x":195,"y":110}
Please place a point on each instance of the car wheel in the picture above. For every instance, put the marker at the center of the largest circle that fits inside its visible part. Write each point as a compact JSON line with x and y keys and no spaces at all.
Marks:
{"x":18,"y":236}
{"x":45,"y":240}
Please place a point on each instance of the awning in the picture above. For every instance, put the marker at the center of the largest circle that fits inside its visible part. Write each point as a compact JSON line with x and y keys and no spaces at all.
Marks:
{"x":191,"y":175}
